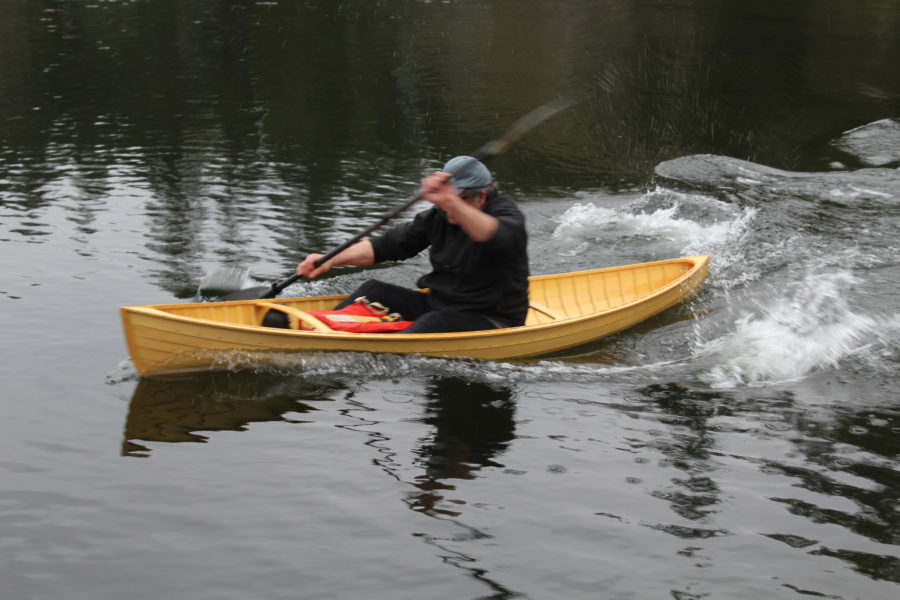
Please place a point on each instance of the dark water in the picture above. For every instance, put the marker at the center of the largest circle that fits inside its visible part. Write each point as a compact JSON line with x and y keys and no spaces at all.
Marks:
{"x":743,"y":445}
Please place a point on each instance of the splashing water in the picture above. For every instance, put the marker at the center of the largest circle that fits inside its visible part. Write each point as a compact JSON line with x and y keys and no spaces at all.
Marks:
{"x":693,"y":224}
{"x":813,"y":328}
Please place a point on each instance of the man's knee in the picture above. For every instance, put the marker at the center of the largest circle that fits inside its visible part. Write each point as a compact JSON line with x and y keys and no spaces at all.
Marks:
{"x":372,"y":289}
{"x":442,"y":321}
{"x":410,"y":304}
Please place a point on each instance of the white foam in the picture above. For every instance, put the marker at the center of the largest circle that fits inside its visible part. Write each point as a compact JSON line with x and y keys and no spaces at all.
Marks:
{"x":807,"y":328}
{"x":587,"y":222}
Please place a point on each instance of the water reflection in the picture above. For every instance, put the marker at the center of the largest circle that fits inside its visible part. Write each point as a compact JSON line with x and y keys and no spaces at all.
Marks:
{"x":689,"y":445}
{"x":239,"y":131}
{"x":851,"y":452}
{"x":175,"y":410}
{"x":473,"y":424}
{"x":841,"y":452}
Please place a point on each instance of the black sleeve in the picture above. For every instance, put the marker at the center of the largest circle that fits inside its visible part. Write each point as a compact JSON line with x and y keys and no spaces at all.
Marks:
{"x":510,"y":225}
{"x":406,"y":240}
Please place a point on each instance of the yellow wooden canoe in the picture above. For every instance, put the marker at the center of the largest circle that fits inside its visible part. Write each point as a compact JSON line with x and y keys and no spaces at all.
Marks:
{"x":567,"y":309}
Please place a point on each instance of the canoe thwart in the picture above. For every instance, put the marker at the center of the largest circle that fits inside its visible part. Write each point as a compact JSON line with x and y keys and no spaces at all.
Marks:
{"x":545,"y":310}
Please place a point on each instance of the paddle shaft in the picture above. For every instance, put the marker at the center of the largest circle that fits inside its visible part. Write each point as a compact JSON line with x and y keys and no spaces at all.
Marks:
{"x":278,"y":287}
{"x":485,"y":153}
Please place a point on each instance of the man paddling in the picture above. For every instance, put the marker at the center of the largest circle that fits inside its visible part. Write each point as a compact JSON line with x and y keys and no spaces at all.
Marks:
{"x":478,"y":252}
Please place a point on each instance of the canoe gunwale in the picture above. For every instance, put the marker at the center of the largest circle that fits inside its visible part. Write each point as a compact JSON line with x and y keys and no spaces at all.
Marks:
{"x":158,"y":310}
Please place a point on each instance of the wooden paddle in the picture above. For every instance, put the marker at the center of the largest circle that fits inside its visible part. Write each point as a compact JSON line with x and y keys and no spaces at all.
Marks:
{"x":488,"y":151}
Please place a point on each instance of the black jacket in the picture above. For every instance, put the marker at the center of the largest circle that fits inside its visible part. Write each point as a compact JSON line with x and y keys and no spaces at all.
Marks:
{"x":489,"y":277}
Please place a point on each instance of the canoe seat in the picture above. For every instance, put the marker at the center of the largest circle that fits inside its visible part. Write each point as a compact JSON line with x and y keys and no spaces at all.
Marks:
{"x":295,"y":315}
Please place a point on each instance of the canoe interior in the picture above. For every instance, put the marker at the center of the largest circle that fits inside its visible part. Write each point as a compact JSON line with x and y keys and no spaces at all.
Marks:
{"x":553,"y":297}
{"x":588,"y":292}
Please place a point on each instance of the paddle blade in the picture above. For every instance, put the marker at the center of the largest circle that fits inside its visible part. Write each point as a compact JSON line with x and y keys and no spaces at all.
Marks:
{"x":224,"y":280}
{"x":262,"y":293}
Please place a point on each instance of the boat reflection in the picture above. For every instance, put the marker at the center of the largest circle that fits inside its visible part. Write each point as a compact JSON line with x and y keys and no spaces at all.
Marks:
{"x":175,"y":410}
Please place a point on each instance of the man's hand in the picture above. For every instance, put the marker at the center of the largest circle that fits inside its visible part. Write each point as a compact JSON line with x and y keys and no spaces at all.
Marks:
{"x":468,"y":214}
{"x":361,"y":254}
{"x":309,"y":269}
{"x":438,"y":190}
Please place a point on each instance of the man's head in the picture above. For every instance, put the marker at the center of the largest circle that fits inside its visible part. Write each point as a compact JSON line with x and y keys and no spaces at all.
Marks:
{"x":470,"y":176}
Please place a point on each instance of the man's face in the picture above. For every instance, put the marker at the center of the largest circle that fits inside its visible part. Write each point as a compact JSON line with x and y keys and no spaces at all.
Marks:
{"x":476,"y":200}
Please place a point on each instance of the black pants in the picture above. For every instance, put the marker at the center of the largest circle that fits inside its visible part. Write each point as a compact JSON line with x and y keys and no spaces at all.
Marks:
{"x":417,"y":307}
